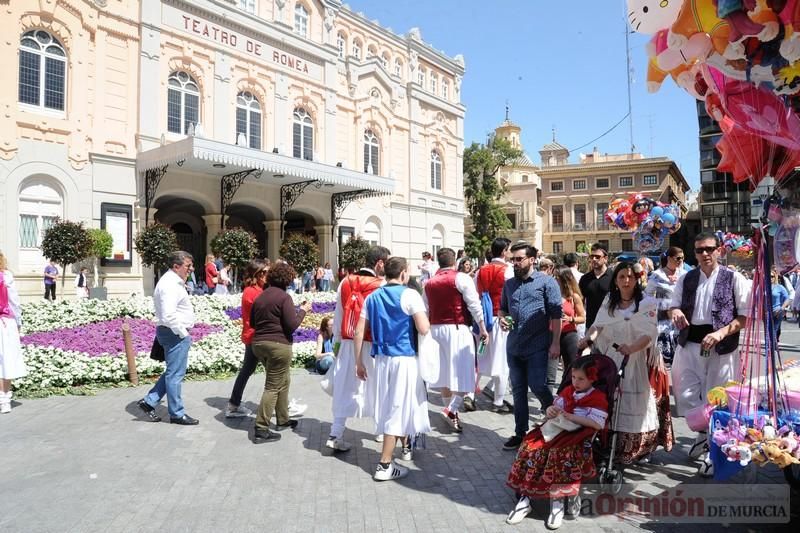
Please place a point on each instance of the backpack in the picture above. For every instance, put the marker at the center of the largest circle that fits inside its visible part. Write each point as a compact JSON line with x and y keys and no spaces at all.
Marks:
{"x":354,"y":304}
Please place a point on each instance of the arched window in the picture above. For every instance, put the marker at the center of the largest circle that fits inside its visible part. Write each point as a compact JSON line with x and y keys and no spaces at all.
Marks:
{"x":437,"y":240}
{"x":372,"y":51}
{"x":40,"y":204}
{"x":303,"y":135}
{"x":300,"y":20}
{"x":385,"y":61}
{"x":183,"y":103}
{"x":248,"y":5}
{"x":42,"y":70}
{"x":356,"y":51}
{"x":434,"y":81}
{"x":436,"y":170}
{"x":398,"y":67}
{"x":445,"y":89}
{"x":340,"y":44}
{"x":372,"y":232}
{"x":421,"y":77}
{"x":372,"y":148}
{"x":248,"y":119}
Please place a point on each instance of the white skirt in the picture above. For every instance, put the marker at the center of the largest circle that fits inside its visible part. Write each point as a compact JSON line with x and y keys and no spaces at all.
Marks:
{"x":401,"y":405}
{"x":221,"y":289}
{"x":493,"y":362}
{"x":12,"y":364}
{"x":456,"y":357}
{"x":351,"y":396}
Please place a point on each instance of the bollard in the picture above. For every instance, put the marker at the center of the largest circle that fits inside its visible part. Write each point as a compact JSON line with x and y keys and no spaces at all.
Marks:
{"x":130,"y":353}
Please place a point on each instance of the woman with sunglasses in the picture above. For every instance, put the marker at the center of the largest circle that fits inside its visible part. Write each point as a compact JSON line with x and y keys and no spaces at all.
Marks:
{"x":660,"y":286}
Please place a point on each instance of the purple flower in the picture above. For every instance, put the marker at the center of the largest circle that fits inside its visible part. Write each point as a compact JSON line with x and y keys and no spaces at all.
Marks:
{"x":105,"y":338}
{"x":305,"y":334}
{"x":323,"y":308}
{"x":234,"y":313}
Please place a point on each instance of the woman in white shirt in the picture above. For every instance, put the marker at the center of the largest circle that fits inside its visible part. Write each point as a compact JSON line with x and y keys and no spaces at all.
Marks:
{"x":224,"y":281}
{"x":12,"y":363}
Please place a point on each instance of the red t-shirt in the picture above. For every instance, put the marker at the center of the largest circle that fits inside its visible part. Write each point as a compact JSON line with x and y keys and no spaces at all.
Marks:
{"x":568,"y":308}
{"x":211,"y":272}
{"x":249,"y":296}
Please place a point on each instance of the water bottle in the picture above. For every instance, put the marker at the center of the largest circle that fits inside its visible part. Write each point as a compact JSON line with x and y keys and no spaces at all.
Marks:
{"x":481,"y":346}
{"x":705,"y":352}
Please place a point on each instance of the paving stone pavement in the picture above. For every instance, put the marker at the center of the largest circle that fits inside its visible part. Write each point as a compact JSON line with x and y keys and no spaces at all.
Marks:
{"x":94,"y":464}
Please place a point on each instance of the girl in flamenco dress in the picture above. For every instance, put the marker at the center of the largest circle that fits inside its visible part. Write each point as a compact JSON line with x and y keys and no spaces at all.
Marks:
{"x":555,"y":457}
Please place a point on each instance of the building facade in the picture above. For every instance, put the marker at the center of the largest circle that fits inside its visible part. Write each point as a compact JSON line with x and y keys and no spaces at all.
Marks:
{"x":523,"y":200}
{"x":575,"y":197}
{"x":724,"y":205}
{"x":276,"y":116}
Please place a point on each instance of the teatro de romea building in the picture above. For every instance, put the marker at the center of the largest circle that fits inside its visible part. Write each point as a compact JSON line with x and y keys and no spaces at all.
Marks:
{"x":277,"y":116}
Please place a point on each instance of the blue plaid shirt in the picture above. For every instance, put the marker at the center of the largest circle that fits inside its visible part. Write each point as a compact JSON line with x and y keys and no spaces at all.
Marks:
{"x":532,"y":303}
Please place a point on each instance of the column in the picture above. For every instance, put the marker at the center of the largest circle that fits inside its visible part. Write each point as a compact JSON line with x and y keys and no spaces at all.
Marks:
{"x":213,"y":227}
{"x":324,"y":234}
{"x":222,"y":127}
{"x":273,"y":228}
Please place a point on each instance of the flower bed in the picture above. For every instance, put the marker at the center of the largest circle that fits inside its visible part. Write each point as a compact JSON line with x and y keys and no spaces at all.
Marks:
{"x":71,"y":343}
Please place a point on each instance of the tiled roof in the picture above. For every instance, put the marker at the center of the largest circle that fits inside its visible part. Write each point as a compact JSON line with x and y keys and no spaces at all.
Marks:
{"x":553,"y":146}
{"x":522,"y":161}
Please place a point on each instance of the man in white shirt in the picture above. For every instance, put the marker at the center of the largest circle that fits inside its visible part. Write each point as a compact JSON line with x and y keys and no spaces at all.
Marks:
{"x":450,"y":296}
{"x":174,"y":319}
{"x":709,"y":307}
{"x":571,"y":260}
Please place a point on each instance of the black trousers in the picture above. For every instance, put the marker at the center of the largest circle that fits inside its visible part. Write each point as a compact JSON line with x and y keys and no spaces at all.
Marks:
{"x":50,"y":292}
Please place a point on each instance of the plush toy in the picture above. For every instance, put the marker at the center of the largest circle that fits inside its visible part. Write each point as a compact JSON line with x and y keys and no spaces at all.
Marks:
{"x":777,"y":456}
{"x":717,"y":396}
{"x":737,"y":452}
{"x":733,"y":431}
{"x":789,"y":443}
{"x":754,"y":435}
{"x":757,"y":454}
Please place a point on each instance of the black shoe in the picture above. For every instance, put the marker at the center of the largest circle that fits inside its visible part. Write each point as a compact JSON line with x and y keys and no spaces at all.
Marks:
{"x":469,"y":404}
{"x":264,"y":435}
{"x":291,"y":424}
{"x":504,"y":409}
{"x":185,"y":420}
{"x":149,"y":411}
{"x":488,"y":392}
{"x":513,"y":443}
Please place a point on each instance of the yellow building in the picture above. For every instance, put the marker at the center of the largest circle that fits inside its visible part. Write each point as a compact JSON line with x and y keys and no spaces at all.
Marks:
{"x":273,"y":115}
{"x":575,"y":197}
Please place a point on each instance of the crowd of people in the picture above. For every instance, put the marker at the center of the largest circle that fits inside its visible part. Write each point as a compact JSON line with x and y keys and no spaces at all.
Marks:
{"x":514,"y":321}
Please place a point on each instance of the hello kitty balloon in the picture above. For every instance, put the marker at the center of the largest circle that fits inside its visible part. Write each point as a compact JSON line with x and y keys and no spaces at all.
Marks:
{"x":650,"y":16}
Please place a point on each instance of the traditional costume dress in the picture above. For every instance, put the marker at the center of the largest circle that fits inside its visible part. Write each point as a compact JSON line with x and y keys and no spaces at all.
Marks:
{"x":351,"y":396}
{"x":493,"y":362}
{"x":12,"y":363}
{"x":643,"y":420}
{"x":401,"y":406}
{"x":450,"y":296}
{"x":554,"y":469}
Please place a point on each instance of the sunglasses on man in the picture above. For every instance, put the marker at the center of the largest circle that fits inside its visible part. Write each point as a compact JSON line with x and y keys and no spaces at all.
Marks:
{"x":705,"y":250}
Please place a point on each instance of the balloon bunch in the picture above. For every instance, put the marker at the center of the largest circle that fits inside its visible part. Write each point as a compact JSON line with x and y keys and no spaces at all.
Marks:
{"x":650,"y":221}
{"x":737,"y":245}
{"x":742,"y":57}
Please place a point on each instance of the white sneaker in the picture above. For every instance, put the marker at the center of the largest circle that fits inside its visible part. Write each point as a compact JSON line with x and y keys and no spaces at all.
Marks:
{"x":706,"y":468}
{"x":574,"y":505}
{"x":394,"y":471}
{"x":237,"y":412}
{"x":556,"y":514}
{"x":379,"y":437}
{"x":520,"y":511}
{"x":406,"y":454}
{"x":699,"y":447}
{"x":337,"y":445}
{"x":296,"y":408}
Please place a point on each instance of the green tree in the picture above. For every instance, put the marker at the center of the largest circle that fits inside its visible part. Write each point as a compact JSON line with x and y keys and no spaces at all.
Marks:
{"x":483,"y":191}
{"x":102,"y":246}
{"x":65,"y":243}
{"x":300,"y":251}
{"x":236,"y":247}
{"x":154,"y":244}
{"x":353,"y":253}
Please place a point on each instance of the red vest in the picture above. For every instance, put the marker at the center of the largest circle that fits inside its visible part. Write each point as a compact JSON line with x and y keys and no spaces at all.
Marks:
{"x":491,"y":279}
{"x":445,"y":303}
{"x":363,"y":284}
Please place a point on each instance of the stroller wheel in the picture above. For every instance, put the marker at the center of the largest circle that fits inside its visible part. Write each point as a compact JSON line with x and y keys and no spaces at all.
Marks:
{"x":602,"y":478}
{"x":615,"y":481}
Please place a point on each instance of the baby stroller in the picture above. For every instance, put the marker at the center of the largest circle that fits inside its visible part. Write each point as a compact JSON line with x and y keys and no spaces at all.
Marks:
{"x":609,"y":376}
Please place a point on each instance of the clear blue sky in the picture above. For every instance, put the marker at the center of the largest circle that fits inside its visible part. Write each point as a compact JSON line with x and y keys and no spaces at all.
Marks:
{"x":558,"y":64}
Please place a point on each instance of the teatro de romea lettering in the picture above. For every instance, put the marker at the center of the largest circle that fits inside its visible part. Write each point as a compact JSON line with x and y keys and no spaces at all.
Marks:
{"x":277,"y":116}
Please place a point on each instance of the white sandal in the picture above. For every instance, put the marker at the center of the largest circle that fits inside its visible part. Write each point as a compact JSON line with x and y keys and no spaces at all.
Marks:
{"x":520,"y":511}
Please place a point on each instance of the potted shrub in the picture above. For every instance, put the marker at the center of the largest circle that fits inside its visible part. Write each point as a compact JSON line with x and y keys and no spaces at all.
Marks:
{"x":236,"y":247}
{"x":65,"y":243}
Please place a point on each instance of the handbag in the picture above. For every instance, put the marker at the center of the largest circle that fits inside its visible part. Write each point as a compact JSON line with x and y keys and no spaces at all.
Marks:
{"x":157,"y":351}
{"x":428,"y":358}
